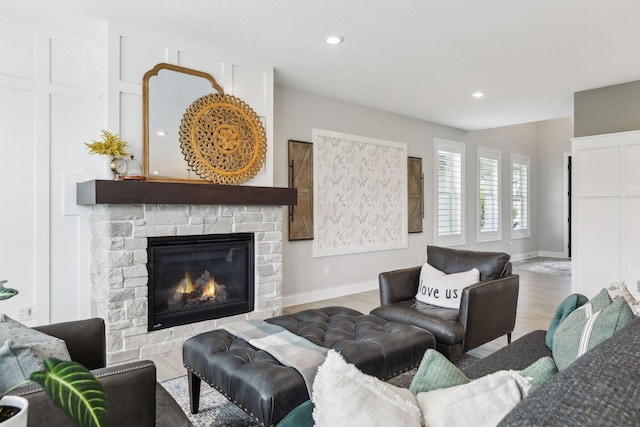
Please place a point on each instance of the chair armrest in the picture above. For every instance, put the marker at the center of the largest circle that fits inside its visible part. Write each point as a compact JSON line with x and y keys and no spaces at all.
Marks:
{"x":85,"y":340}
{"x":398,"y":285}
{"x":488,"y":310}
{"x":131,"y":398}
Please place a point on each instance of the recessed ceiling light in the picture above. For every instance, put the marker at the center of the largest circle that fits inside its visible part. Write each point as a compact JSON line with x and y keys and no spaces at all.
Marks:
{"x":162,"y":132}
{"x":477,"y":94}
{"x":334,"y":39}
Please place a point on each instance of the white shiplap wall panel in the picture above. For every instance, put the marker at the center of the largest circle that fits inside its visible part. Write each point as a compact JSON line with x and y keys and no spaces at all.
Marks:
{"x":137,"y":57}
{"x":43,"y":92}
{"x":597,"y":259}
{"x":606,"y":211}
{"x":632,"y":247}
{"x":249,"y":85}
{"x":19,"y":45}
{"x":196,"y":62}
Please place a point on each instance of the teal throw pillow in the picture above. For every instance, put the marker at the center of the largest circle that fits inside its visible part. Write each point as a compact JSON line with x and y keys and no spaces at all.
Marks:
{"x":565,"y":308}
{"x":571,"y":343}
{"x":437,"y":372}
{"x":301,"y":416}
{"x":540,"y":371}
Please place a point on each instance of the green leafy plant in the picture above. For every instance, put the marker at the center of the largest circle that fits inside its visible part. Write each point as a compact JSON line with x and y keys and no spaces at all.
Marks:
{"x":6,"y":293}
{"x":73,"y":389}
{"x":110,"y":145}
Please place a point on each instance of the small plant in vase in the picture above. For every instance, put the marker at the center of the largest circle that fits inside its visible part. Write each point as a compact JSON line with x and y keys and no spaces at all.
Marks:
{"x":110,"y":145}
{"x":111,"y":148}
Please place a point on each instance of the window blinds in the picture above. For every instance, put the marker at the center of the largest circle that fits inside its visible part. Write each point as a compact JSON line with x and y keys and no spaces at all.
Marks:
{"x":520,"y":196}
{"x":489,"y":194}
{"x":449,"y":193}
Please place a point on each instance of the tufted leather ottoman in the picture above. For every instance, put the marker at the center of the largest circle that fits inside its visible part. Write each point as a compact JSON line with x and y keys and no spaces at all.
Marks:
{"x":268,"y":390}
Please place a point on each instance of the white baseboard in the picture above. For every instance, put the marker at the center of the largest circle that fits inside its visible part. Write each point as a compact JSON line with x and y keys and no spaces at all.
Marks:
{"x":339,"y":291}
{"x":546,"y":254}
{"x":520,"y":257}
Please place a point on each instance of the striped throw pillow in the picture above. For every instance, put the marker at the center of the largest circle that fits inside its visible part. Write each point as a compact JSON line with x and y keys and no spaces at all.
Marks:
{"x":577,"y":316}
{"x":569,"y":344}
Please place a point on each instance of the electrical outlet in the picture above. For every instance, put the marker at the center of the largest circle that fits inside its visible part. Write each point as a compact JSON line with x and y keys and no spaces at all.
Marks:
{"x":26,"y":312}
{"x":638,"y":285}
{"x":326,"y":270}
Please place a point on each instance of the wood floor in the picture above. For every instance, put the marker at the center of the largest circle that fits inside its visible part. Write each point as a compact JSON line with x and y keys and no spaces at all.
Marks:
{"x":538,"y":299}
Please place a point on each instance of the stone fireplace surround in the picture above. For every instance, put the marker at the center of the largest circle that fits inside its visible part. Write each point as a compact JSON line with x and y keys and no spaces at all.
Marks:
{"x":119,"y":267}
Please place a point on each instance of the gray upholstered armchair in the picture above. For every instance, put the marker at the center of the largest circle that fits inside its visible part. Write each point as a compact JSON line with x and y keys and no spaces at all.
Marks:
{"x":134,"y":398}
{"x":487,"y":308}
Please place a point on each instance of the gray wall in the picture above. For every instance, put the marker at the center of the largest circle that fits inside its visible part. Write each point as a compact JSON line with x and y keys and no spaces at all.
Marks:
{"x":297,"y":112}
{"x":607,"y":110}
{"x":554,"y":143}
{"x":518,"y":139}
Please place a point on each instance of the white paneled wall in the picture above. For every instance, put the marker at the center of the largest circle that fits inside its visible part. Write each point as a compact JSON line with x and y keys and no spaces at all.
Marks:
{"x":606,"y":211}
{"x":57,"y":90}
{"x":45,"y":103}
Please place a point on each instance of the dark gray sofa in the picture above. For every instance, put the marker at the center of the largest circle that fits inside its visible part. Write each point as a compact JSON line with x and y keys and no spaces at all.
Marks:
{"x":601,"y":388}
{"x":134,"y":398}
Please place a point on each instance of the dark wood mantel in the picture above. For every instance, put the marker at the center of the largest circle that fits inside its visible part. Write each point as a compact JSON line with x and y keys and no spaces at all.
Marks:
{"x":153,"y":192}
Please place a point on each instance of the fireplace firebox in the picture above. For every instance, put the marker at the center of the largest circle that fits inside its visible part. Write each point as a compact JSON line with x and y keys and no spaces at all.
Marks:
{"x":195,"y":278}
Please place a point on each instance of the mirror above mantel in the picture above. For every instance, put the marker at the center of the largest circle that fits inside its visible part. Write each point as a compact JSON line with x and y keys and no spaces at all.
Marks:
{"x":167,"y":91}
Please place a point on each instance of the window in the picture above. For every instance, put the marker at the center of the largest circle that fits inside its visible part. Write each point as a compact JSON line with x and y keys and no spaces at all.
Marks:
{"x":489,"y":194}
{"x":449,"y":169}
{"x":520,"y":196}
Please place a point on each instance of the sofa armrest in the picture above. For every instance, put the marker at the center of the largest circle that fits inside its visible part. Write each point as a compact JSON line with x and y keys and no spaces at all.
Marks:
{"x":131,"y":398}
{"x":85,"y":340}
{"x":488,"y":310}
{"x":398,"y":285}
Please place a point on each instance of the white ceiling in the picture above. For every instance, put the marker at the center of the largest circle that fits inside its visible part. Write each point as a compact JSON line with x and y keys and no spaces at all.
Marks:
{"x":418,"y":58}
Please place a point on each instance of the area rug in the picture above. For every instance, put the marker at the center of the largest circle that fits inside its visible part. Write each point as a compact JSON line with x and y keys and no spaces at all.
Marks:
{"x":555,"y":266}
{"x":216,"y":411}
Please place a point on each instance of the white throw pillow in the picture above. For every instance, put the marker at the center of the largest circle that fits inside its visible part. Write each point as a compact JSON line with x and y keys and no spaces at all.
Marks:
{"x":482,"y":402}
{"x":619,"y":289}
{"x":344,"y":396}
{"x":429,"y":272}
{"x":446,"y":290}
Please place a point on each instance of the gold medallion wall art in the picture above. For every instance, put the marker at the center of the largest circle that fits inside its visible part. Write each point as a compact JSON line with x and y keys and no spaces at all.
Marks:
{"x":223,"y":139}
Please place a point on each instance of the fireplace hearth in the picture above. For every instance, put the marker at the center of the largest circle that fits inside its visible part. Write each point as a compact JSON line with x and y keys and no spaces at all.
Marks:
{"x":195,"y":278}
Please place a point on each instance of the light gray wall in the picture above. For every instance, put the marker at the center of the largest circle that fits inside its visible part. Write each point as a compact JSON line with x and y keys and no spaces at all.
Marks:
{"x":607,"y":110}
{"x":517,"y":139}
{"x":296,"y":113}
{"x":553,"y":145}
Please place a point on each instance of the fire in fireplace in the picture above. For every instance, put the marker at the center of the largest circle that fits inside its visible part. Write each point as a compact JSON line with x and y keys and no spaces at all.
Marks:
{"x":195,"y":278}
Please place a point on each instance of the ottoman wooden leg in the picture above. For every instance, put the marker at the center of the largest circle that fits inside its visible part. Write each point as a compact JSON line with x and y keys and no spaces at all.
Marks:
{"x":194,"y":391}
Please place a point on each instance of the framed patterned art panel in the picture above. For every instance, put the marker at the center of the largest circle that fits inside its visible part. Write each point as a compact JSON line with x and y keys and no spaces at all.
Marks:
{"x":360,"y":194}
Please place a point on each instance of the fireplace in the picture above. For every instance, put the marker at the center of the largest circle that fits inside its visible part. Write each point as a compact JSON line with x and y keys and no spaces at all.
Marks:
{"x":195,"y":278}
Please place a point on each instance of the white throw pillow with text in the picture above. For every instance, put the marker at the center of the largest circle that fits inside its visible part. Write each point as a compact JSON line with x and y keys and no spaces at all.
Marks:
{"x":445,"y":290}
